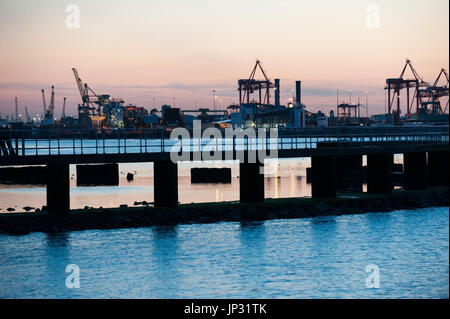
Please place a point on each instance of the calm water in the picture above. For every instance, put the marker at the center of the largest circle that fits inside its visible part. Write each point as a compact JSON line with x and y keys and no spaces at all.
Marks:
{"x":284,"y":178}
{"x":321,"y":257}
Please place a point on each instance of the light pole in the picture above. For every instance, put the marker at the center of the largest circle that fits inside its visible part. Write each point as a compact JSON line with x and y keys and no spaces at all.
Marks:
{"x":367,"y":104}
{"x":214,"y":99}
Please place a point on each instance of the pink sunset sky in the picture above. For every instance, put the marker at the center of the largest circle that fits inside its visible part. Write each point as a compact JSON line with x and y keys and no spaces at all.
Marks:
{"x":160,"y":50}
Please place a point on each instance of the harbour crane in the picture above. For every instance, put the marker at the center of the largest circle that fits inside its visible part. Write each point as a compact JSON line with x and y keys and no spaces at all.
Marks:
{"x":48,"y":111}
{"x":397,"y":84}
{"x":250,"y":85}
{"x":92,"y":102}
{"x":436,"y":92}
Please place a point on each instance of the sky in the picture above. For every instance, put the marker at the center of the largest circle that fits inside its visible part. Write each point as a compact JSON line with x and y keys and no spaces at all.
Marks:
{"x":160,"y":52}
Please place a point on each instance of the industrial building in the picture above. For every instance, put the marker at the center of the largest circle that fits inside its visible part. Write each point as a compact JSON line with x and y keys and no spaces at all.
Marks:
{"x":409,"y":100}
{"x":258,"y":111}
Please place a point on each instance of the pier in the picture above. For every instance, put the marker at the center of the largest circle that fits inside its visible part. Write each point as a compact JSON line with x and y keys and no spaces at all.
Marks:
{"x":333,"y":154}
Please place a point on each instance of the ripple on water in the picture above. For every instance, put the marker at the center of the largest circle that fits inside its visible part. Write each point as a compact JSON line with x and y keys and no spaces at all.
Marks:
{"x":323,"y":257}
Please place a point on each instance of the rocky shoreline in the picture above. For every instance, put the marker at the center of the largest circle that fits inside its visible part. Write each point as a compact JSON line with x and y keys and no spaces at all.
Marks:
{"x":128,"y":217}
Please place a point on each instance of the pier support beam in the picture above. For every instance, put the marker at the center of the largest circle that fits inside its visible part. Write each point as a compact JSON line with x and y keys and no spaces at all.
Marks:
{"x":349,"y":172}
{"x":58,"y":188}
{"x":165,"y":175}
{"x":251,"y":182}
{"x":323,"y":176}
{"x":379,"y":173}
{"x":415,"y":170}
{"x":438,"y":168}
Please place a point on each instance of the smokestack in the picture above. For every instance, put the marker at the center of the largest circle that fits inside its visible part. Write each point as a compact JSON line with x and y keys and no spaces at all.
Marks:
{"x":277,"y":92}
{"x":17,"y":109}
{"x":298,"y":92}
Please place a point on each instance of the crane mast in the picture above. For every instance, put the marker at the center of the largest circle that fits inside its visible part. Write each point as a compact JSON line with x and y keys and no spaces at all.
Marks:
{"x":43,"y":101}
{"x":51,"y":107}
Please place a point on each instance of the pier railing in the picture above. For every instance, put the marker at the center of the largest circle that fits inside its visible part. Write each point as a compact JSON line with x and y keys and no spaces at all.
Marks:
{"x":58,"y":142}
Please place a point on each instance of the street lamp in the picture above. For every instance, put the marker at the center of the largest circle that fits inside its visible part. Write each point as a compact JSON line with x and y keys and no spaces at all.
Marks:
{"x":367,"y":104}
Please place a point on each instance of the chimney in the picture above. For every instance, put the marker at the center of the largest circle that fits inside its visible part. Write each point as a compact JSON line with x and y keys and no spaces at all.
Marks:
{"x":277,"y":92}
{"x":298,"y":92}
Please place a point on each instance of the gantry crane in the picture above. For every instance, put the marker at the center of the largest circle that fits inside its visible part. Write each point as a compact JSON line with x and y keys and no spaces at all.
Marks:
{"x":397,"y":84}
{"x":250,"y":85}
{"x":434,"y":94}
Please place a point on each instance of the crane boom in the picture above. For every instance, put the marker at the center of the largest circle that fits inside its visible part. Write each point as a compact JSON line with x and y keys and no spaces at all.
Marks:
{"x":81,"y":86}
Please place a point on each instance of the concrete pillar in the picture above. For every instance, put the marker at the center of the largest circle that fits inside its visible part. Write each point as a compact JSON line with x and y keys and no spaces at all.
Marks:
{"x":323,"y":176}
{"x":349,"y":172}
{"x":415,"y":170}
{"x":438,"y":168}
{"x":379,"y":173}
{"x":165,"y":183}
{"x":251,"y":182}
{"x":58,"y":188}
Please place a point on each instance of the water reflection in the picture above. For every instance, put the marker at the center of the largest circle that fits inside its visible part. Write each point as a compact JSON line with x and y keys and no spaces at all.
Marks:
{"x":252,"y":235}
{"x":56,"y":259}
{"x":321,"y":257}
{"x":284,"y":178}
{"x":251,"y":259}
{"x":252,"y":238}
{"x":165,"y":258}
{"x":57,"y":240}
{"x":164,"y":243}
